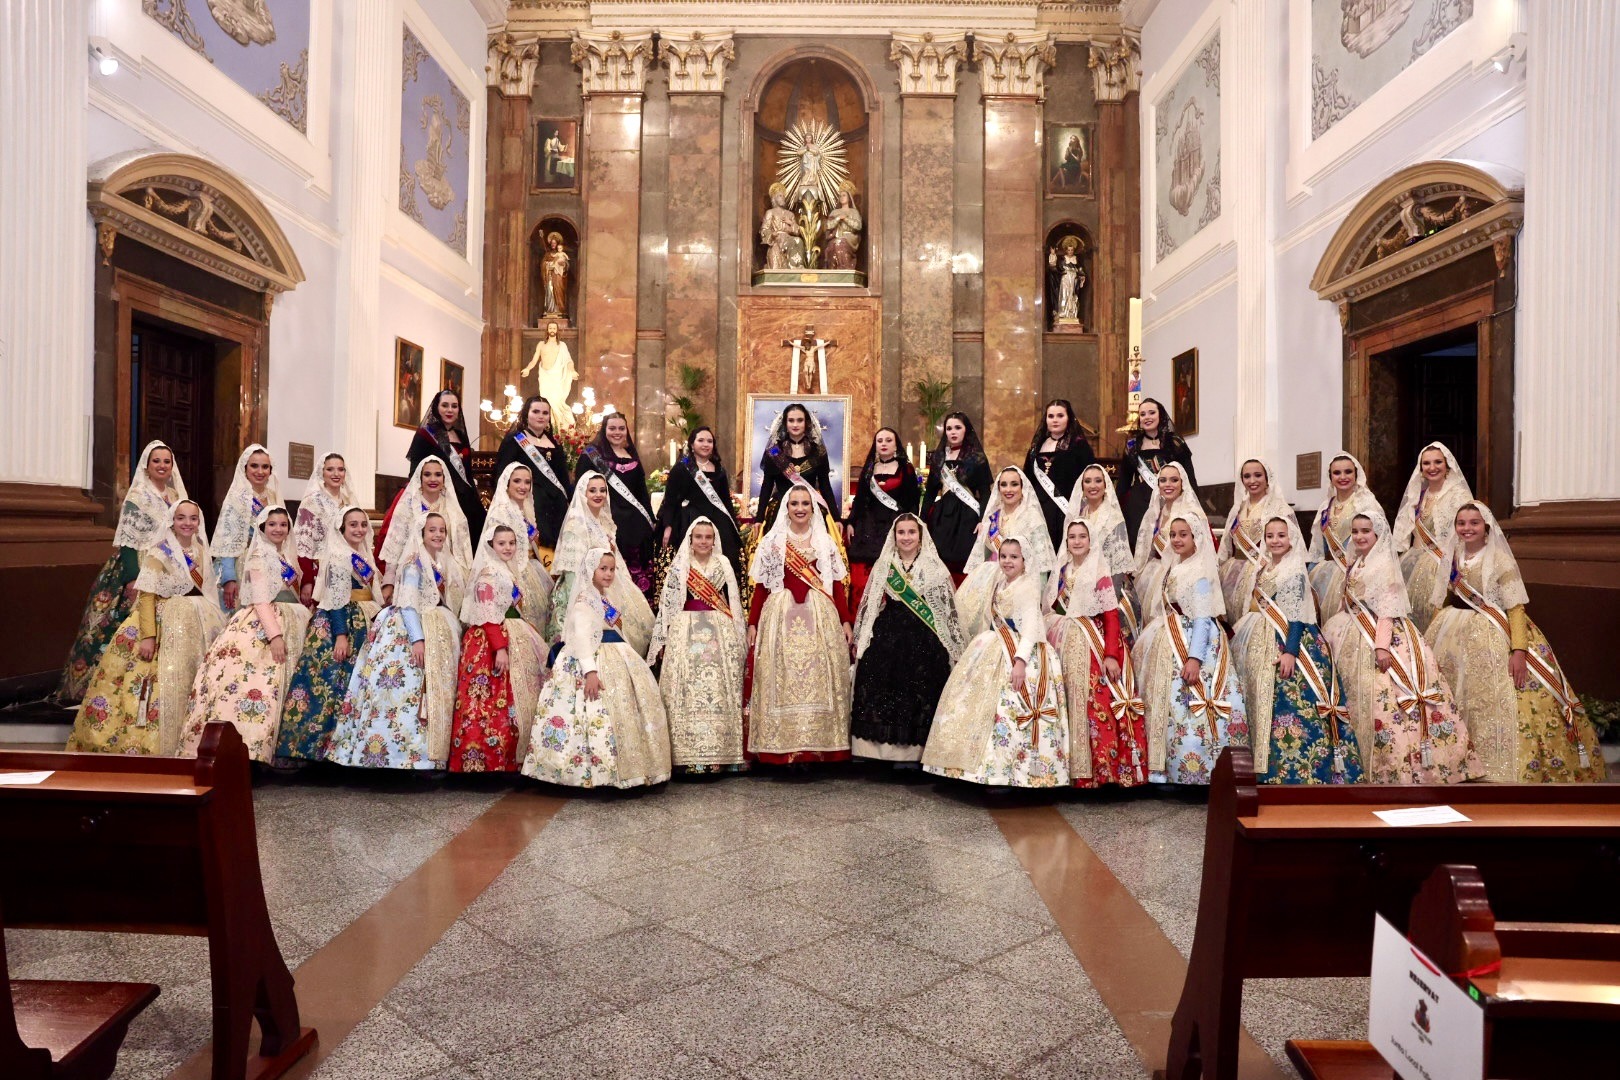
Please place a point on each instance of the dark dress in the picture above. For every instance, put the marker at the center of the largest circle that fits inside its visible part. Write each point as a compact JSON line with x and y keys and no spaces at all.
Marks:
{"x":870,"y":521}
{"x":899,"y":679}
{"x":426,"y":444}
{"x":550,"y":501}
{"x":814,"y":469}
{"x":633,"y":522}
{"x":1134,"y":492}
{"x":685,"y":502}
{"x":1064,"y":466}
{"x":952,"y":523}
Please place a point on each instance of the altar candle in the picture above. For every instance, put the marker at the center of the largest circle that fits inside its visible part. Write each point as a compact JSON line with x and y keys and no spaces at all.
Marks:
{"x":672,"y":451}
{"x":1135,"y":341}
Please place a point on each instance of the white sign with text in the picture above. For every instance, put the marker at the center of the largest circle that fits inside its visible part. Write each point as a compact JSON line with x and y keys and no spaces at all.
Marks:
{"x":1424,"y":1025}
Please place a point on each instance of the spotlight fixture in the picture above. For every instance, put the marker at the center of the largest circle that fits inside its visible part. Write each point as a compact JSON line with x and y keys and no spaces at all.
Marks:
{"x":1512,"y":52}
{"x":102,"y":54}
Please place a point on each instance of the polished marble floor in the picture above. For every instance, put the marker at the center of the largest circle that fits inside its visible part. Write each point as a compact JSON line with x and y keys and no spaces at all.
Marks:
{"x":750,"y":927}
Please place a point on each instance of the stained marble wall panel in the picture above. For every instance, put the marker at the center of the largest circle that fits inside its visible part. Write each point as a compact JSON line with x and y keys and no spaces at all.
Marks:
{"x":651,"y":428}
{"x":692,"y":281}
{"x":1187,"y":151}
{"x":927,"y":167}
{"x":608,"y":286}
{"x":506,"y":242}
{"x":967,"y":271}
{"x":1118,"y":266}
{"x":435,"y":155}
{"x":260,"y":45}
{"x":1358,"y":46}
{"x":1013,"y":286}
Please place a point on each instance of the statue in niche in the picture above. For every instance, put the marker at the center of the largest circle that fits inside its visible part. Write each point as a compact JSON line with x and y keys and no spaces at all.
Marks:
{"x":779,"y":232}
{"x":432,"y":169}
{"x":1068,"y":278}
{"x":843,"y":227}
{"x":554,"y":279}
{"x":555,"y":381}
{"x":248,"y":21}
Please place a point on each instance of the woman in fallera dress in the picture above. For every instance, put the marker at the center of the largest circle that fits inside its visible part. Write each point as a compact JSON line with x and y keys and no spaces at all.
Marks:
{"x":1301,"y":730}
{"x":503,"y":662}
{"x":1435,"y":492}
{"x":600,"y":720}
{"x":1525,"y":720}
{"x":956,"y":493}
{"x":798,"y":686}
{"x":426,"y":492}
{"x":1154,"y":557}
{"x":325,"y":496}
{"x":1107,"y":731}
{"x":700,"y":635}
{"x":1242,"y":546}
{"x":243,"y":677}
{"x":137,"y":697}
{"x":345,"y":605}
{"x":1012,"y":511}
{"x":1058,"y":454}
{"x":1184,"y":665}
{"x":1330,"y":553}
{"x":907,"y":637}
{"x":1148,"y":449}
{"x":794,"y":451}
{"x":252,"y":491}
{"x":590,"y":524}
{"x":1400,"y":704}
{"x":532,"y":442}
{"x":513,"y":506}
{"x":887,"y":488}
{"x":612,"y":455}
{"x":444,"y":434}
{"x":1094,"y":502}
{"x":398,"y":710}
{"x":154,"y":488}
{"x":1001,"y":719}
{"x":698,"y":487}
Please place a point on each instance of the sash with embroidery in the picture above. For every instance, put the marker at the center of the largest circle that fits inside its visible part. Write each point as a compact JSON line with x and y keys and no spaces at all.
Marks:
{"x":610,"y":615}
{"x":1207,"y":708}
{"x":803,"y":568}
{"x":1326,"y":690}
{"x":616,"y":482}
{"x":1427,"y":538}
{"x":1413,"y":695}
{"x":532,"y":450}
{"x":879,"y":494}
{"x":953,"y":484}
{"x":288,"y":572}
{"x":447,"y":450}
{"x":1241,"y":543}
{"x":705,"y":485}
{"x":705,"y":590}
{"x":1051,"y":490}
{"x":1330,"y":540}
{"x":992,"y":532}
{"x":1143,"y":470}
{"x":1037,"y":704}
{"x":898,"y":585}
{"x":191,"y":564}
{"x":361,"y":568}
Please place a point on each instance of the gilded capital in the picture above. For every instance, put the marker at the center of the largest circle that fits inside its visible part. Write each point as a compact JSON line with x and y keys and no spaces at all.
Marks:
{"x":1116,"y":67}
{"x":513,"y":60}
{"x":928,"y":61}
{"x":613,"y":62}
{"x":697,"y":63}
{"x":1014,"y":65}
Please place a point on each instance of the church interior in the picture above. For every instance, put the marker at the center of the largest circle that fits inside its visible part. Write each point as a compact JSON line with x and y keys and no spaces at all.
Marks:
{"x":1319,"y":290}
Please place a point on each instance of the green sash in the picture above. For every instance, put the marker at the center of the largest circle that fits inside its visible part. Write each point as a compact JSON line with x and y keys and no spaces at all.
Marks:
{"x":900,"y":587}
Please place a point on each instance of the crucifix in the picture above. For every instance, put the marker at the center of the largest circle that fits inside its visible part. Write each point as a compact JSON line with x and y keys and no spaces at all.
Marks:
{"x":804,"y":347}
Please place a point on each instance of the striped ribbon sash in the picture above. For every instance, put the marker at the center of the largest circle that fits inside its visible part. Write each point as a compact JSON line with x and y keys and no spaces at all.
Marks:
{"x":1326,"y":690}
{"x":1126,"y":701}
{"x":706,"y":486}
{"x":1036,"y":706}
{"x":804,"y":569}
{"x":1427,"y":538}
{"x":1416,"y":691}
{"x":1241,"y":543}
{"x":535,"y":454}
{"x":705,"y":590}
{"x":1207,"y":708}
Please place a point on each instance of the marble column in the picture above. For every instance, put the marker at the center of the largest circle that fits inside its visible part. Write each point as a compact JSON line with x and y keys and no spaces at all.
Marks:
{"x":45,"y":247}
{"x":1117,"y":275}
{"x":1012,"y":69}
{"x":614,"y":66}
{"x":928,"y":64}
{"x":697,"y":78}
{"x":1566,"y":376}
{"x":513,"y":62}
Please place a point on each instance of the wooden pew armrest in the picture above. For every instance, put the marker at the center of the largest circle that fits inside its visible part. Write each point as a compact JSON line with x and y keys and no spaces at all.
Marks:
{"x":77,"y":1020}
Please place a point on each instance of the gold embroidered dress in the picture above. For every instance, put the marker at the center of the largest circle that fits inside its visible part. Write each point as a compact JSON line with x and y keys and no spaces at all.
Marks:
{"x":1243,"y":544}
{"x":1153,"y":555}
{"x":1423,"y":526}
{"x":1330,"y":551}
{"x":1023,"y":519}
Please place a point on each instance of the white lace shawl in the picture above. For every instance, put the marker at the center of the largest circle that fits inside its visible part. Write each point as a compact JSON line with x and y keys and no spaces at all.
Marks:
{"x":1193,"y":582}
{"x":581,"y":529}
{"x":672,"y":599}
{"x":234,"y":531}
{"x":171,"y":576}
{"x":1089,"y":586}
{"x":1106,"y":523}
{"x":492,"y":583}
{"x":333,"y":577}
{"x":1375,"y":578}
{"x":1453,"y":493}
{"x":1186,"y":505}
{"x":587,"y":613}
{"x":1362,"y":501}
{"x":145,"y":511}
{"x":519,"y":517}
{"x":1503,"y":585}
{"x":263,"y":578}
{"x":932,"y":581}
{"x":1272,"y":504}
{"x":1286,"y":582}
{"x":1019,"y":600}
{"x":318,"y":509}
{"x":419,"y":591}
{"x":1027,"y":522}
{"x":407,"y":519}
{"x":769,"y":567}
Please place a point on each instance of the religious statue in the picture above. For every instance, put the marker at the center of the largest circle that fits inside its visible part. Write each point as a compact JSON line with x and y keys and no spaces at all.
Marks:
{"x":1068,"y":278}
{"x":554,"y":279}
{"x":812,"y":223}
{"x":432,"y":169}
{"x":779,"y":232}
{"x":843,"y":226}
{"x":555,"y":380}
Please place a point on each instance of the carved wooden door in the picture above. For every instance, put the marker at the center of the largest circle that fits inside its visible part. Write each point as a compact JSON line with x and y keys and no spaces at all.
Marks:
{"x":173,"y":396}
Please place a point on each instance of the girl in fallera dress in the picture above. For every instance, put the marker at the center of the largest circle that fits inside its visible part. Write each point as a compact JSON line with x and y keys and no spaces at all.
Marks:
{"x":345,"y":605}
{"x":700,"y":635}
{"x":1148,"y":449}
{"x":1012,"y":511}
{"x":1094,"y":502}
{"x":1301,"y":729}
{"x":137,"y":697}
{"x":154,"y":488}
{"x":1400,"y":704}
{"x":957,"y":491}
{"x":794,"y":451}
{"x":513,"y":506}
{"x":1184,"y":666}
{"x":590,"y":524}
{"x":799,"y":635}
{"x":698,"y":487}
{"x":252,"y":491}
{"x":1154,"y":557}
{"x":1107,"y":731}
{"x":612,"y":455}
{"x":325,"y":496}
{"x":243,"y":677}
{"x":444,"y":434}
{"x":426,"y":492}
{"x":1001,"y":719}
{"x":531,"y":442}
{"x":907,"y":637}
{"x":1242,"y":546}
{"x":1524,"y":719}
{"x":1058,"y":454}
{"x":397,"y":713}
{"x":1436,"y":491}
{"x":600,"y":721}
{"x":1330,"y":553}
{"x":503,"y":662}
{"x":887,"y":488}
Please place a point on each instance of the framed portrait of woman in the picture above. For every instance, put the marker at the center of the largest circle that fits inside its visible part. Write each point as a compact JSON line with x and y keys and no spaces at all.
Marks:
{"x":408,"y":360}
{"x":831,"y":412}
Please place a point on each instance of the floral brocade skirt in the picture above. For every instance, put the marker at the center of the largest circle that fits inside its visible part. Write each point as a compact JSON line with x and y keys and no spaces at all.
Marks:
{"x":985,"y":732}
{"x":240,"y":683}
{"x":492,"y":713}
{"x":396,"y":714}
{"x":619,"y":740}
{"x":104,"y":613}
{"x":319,"y":685}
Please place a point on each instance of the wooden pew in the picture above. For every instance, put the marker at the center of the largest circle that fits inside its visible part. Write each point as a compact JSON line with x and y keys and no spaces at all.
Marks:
{"x":158,"y":846}
{"x":1293,"y":875}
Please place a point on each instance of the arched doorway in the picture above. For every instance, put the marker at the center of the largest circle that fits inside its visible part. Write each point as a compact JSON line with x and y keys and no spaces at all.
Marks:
{"x":189,"y":264}
{"x":1423,"y":271}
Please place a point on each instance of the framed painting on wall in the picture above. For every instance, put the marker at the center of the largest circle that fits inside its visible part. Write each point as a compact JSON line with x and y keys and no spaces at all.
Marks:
{"x":452,"y":377}
{"x":1184,"y":392}
{"x":408,"y":357}
{"x":831,"y":412}
{"x":556,"y":153}
{"x":1069,"y":160}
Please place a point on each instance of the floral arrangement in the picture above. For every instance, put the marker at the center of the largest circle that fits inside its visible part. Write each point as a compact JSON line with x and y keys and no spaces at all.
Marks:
{"x":657,"y":480}
{"x":574,"y":441}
